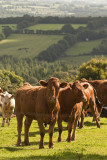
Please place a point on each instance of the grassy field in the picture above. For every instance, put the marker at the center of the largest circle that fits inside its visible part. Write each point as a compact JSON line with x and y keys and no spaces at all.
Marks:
{"x":90,"y":144}
{"x":24,"y":45}
{"x":53,"y":26}
{"x":79,"y":52}
{"x":21,"y":45}
{"x":13,"y":26}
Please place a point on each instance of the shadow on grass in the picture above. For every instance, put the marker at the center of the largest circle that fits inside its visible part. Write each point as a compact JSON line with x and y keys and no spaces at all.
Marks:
{"x":12,"y":149}
{"x":33,"y":134}
{"x":66,"y":155}
{"x":87,"y":123}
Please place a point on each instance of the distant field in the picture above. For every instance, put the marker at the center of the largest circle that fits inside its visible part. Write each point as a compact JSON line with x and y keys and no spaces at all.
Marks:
{"x":13,"y":26}
{"x":83,"y":47}
{"x":52,"y":26}
{"x":90,"y":143}
{"x":74,"y":54}
{"x":21,"y":45}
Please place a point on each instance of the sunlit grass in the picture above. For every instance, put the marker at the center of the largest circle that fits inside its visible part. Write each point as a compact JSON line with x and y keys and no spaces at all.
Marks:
{"x":90,"y":144}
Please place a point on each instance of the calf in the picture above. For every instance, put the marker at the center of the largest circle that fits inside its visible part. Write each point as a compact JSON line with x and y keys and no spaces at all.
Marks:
{"x":8,"y":105}
{"x":39,"y":103}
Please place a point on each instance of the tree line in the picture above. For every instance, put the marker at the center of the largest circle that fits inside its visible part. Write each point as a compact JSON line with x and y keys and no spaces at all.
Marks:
{"x":12,"y":75}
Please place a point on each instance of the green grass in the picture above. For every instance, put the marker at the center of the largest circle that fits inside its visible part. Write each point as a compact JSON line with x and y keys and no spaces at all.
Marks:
{"x":78,"y":53}
{"x":90,"y":144}
{"x":83,"y":47}
{"x":52,"y":26}
{"x":21,"y":45}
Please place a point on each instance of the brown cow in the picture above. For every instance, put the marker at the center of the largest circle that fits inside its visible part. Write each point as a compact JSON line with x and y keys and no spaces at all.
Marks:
{"x":74,"y":118}
{"x":39,"y":103}
{"x":101,"y":89}
{"x":92,"y":103}
{"x":68,"y":98}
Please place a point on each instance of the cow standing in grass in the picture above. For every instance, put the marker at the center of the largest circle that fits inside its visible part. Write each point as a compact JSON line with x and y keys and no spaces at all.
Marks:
{"x":8,"y":106}
{"x":70,"y":111}
{"x":39,"y":103}
{"x":92,"y":103}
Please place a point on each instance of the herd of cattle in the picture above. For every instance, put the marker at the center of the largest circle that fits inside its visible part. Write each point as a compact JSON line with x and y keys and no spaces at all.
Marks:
{"x":54,"y":101}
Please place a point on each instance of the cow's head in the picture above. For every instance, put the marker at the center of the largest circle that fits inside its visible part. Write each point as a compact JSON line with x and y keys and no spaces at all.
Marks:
{"x":5,"y":98}
{"x":78,"y":91}
{"x":53,"y":86}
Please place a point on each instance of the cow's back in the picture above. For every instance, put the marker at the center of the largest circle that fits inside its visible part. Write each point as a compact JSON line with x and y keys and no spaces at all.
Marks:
{"x":25,"y":100}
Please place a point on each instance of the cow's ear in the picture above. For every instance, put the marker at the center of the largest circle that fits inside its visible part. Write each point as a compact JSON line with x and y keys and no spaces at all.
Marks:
{"x":43,"y":83}
{"x":63,"y":84}
{"x":84,"y":80}
{"x":85,"y":86}
{"x":12,"y":96}
{"x":1,"y":90}
{"x":1,"y":94}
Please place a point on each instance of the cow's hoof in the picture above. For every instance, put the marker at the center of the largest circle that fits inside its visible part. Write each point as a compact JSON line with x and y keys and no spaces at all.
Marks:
{"x":26,"y":143}
{"x":51,"y":147}
{"x":19,"y":144}
{"x":68,"y":139}
{"x":72,"y":139}
{"x":59,"y":139}
{"x":41,"y":147}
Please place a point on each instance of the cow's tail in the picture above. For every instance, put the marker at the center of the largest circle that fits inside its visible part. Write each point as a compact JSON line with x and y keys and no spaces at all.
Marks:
{"x":98,"y":103}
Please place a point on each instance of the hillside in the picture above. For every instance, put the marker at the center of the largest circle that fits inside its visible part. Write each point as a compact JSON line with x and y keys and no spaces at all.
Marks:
{"x":79,"y":53}
{"x":24,"y":45}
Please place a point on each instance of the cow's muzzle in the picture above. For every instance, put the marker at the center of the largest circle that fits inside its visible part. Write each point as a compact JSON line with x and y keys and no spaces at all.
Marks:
{"x":84,"y":99}
{"x":52,"y":99}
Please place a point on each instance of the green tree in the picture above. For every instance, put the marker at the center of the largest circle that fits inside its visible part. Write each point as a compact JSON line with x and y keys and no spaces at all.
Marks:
{"x":10,"y":81}
{"x":94,"y":69}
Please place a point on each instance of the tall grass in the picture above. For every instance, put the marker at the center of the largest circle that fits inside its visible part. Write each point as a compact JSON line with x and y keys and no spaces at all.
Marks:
{"x":90,"y":144}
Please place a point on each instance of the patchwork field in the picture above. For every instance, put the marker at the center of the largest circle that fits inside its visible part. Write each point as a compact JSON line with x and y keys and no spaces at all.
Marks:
{"x":90,"y":144}
{"x":21,"y":45}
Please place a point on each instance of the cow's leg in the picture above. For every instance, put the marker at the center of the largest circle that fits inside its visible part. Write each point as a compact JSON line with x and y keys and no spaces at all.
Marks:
{"x":42,"y":133}
{"x":27,"y":125}
{"x":51,"y":130}
{"x":8,"y":121}
{"x":93,"y":107}
{"x":70,"y":126}
{"x":3,"y":122}
{"x":75,"y":125}
{"x":60,"y":128}
{"x":82,"y":119}
{"x":19,"y":128}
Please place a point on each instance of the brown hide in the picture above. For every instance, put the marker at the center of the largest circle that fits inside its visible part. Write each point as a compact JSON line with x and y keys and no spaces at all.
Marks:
{"x":40,"y":103}
{"x":90,"y":93}
{"x":68,"y":97}
{"x":101,"y":89}
{"x":77,"y":92}
{"x":73,"y":119}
